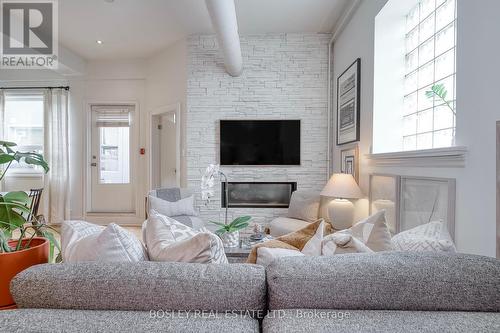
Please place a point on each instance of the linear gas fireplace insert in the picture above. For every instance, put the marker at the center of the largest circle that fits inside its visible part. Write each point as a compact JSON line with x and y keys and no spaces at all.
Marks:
{"x":258,"y":194}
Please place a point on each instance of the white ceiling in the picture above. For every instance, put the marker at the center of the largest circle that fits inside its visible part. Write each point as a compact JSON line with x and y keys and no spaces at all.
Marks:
{"x":140,"y":28}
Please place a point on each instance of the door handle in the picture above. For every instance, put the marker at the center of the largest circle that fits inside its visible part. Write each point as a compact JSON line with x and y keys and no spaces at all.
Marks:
{"x":93,"y":164}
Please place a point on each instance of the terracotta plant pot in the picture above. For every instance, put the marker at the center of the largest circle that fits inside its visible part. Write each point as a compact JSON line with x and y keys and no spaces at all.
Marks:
{"x":15,"y":262}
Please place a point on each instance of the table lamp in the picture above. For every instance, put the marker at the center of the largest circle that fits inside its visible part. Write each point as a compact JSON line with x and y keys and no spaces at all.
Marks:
{"x":342,"y":187}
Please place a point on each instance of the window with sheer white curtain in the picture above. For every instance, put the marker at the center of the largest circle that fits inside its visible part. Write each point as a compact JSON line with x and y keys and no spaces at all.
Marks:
{"x":430,"y":38}
{"x":37,"y":120}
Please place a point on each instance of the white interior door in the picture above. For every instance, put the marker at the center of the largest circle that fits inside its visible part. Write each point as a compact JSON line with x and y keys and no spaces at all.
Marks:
{"x":165,"y":149}
{"x":168,"y":147}
{"x":111,"y":165}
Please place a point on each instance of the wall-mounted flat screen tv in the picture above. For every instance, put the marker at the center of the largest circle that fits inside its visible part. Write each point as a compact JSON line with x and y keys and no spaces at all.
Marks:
{"x":260,"y":142}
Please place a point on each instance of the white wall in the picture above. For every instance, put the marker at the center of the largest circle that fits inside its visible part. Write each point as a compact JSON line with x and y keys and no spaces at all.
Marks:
{"x":166,"y":84}
{"x":151,"y":83}
{"x":284,"y":77}
{"x":477,"y":111}
{"x":114,"y":82}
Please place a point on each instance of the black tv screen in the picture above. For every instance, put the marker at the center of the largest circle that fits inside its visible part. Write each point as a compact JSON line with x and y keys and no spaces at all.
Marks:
{"x":260,"y":142}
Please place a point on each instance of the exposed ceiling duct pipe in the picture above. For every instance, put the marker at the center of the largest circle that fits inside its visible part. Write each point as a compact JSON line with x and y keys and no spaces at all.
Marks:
{"x":223,"y":16}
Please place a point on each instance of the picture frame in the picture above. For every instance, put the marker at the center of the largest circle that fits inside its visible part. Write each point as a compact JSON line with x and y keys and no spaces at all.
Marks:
{"x":384,"y":193}
{"x":427,"y":199}
{"x":348,"y":104}
{"x":349,"y":161}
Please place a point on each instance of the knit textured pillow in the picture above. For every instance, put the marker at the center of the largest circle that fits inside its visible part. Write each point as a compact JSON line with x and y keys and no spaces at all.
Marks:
{"x":432,"y":236}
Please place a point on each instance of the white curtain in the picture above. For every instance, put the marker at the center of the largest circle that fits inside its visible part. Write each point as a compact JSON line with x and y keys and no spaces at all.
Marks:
{"x":56,"y":189}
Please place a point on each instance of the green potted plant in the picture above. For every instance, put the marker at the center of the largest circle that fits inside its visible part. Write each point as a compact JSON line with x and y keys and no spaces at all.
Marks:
{"x":230,"y":233}
{"x":22,"y":243}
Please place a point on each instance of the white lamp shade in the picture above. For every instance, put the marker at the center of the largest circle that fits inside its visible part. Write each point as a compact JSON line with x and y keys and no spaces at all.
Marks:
{"x":342,"y":185}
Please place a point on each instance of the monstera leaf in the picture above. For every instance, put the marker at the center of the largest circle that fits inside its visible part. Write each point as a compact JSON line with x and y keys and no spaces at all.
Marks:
{"x":33,"y":159}
{"x":12,"y":205}
{"x":8,"y":155}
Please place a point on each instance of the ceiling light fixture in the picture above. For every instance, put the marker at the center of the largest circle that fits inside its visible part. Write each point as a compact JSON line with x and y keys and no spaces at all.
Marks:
{"x":99,"y":41}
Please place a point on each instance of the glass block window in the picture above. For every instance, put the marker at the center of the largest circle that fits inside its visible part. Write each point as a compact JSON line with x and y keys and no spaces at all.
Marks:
{"x":429,"y":121}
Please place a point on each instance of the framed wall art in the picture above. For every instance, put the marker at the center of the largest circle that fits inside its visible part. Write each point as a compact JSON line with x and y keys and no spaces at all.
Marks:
{"x":348,"y":105}
{"x":349,"y":159}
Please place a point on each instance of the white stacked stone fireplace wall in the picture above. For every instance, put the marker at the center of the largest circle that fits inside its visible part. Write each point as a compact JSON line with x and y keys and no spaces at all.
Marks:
{"x":284,"y":77}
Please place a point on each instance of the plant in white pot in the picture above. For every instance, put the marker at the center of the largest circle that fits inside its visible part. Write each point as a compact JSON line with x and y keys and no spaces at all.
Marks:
{"x":230,"y":233}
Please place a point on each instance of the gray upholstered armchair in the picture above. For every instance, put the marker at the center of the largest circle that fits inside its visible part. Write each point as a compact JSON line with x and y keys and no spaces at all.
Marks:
{"x":174,"y":194}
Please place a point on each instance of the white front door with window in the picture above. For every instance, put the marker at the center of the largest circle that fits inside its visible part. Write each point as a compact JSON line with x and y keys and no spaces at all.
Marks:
{"x":111,"y":165}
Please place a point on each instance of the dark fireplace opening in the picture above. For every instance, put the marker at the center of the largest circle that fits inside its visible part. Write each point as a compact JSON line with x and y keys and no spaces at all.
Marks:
{"x":258,"y":194}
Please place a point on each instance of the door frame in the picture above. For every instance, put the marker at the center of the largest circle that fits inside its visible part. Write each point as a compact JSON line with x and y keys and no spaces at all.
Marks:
{"x":125,"y":218}
{"x":176,"y":108}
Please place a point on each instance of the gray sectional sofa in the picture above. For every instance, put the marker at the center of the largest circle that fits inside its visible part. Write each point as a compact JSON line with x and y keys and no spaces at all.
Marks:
{"x":381,"y":292}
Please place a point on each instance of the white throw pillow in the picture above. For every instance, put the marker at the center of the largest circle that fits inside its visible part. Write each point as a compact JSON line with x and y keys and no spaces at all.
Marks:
{"x":339,"y":243}
{"x":432,"y":236}
{"x":372,"y":232}
{"x":83,"y":241}
{"x":313,"y":245}
{"x":304,"y":205}
{"x":266,"y":255}
{"x":182,"y":207}
{"x":169,"y":240}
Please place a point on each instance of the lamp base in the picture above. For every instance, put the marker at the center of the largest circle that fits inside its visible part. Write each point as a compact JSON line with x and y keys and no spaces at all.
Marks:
{"x":341,"y":213}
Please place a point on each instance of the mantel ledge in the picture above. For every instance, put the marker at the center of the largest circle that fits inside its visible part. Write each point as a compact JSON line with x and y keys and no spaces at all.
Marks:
{"x":451,"y":157}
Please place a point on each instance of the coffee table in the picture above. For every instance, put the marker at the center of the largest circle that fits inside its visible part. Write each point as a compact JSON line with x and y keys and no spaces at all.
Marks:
{"x":239,"y":254}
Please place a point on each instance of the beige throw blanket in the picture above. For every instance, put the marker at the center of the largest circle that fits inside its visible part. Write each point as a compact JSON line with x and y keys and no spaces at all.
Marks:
{"x":292,"y":241}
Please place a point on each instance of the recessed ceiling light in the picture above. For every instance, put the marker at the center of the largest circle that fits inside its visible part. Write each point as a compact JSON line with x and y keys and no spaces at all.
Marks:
{"x":99,"y":41}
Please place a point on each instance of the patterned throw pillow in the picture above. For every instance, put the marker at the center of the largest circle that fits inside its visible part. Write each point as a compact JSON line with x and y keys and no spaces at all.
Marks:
{"x":373,"y":232}
{"x":83,"y":241}
{"x":432,"y":236}
{"x":169,"y":240}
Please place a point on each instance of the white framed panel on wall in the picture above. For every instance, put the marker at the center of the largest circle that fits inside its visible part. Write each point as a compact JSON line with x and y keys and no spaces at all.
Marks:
{"x":427,"y":199}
